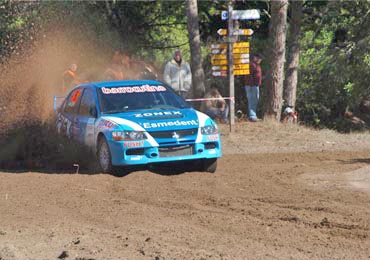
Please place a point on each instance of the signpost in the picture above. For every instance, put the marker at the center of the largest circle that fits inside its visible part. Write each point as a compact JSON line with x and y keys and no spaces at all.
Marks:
{"x":230,"y":46}
{"x":232,"y":58}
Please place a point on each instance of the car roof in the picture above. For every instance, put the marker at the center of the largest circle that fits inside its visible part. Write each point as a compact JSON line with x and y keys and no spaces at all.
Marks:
{"x":123,"y":83}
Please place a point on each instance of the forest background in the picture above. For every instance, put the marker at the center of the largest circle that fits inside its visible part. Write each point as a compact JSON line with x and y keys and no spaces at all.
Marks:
{"x":40,"y":39}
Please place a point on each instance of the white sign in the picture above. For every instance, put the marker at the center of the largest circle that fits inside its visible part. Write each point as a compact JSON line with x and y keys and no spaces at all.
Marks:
{"x":251,"y":14}
{"x":224,"y":15}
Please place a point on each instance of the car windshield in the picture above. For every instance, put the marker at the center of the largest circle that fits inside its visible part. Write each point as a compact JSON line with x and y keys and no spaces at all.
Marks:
{"x":138,"y":97}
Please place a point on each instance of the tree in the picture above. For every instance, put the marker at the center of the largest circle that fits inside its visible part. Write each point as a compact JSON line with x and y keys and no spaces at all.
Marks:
{"x":277,"y":34}
{"x":290,"y":89}
{"x":195,"y":50}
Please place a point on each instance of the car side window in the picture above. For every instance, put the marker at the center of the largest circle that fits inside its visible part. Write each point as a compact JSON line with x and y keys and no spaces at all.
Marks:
{"x":72,"y":101}
{"x":88,"y":106}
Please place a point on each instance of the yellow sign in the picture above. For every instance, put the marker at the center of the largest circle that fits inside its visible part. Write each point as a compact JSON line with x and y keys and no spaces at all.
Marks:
{"x":223,"y":32}
{"x":235,"y":55}
{"x":241,"y":72}
{"x":219,"y":57}
{"x":235,"y":45}
{"x":241,"y":50}
{"x":241,"y":66}
{"x":241,"y":44}
{"x":219,"y":62}
{"x":236,"y":67}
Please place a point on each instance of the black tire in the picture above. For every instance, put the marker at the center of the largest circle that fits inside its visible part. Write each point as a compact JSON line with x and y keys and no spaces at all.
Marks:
{"x":209,"y":165}
{"x":104,"y":158}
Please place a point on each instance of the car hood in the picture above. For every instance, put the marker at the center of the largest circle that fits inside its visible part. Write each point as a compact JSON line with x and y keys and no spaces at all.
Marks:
{"x":158,"y":120}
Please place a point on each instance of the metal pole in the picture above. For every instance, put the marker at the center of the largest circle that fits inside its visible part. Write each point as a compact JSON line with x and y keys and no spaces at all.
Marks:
{"x":230,"y":37}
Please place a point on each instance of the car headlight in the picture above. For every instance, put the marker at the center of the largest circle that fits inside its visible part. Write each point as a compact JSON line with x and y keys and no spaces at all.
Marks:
{"x":128,"y":135}
{"x":209,"y":130}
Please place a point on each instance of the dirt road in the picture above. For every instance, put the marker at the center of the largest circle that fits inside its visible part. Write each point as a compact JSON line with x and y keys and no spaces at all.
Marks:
{"x":279,"y":193}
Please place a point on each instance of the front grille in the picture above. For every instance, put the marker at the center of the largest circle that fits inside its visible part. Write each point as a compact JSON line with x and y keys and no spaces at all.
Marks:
{"x":176,"y":150}
{"x":174,"y":134}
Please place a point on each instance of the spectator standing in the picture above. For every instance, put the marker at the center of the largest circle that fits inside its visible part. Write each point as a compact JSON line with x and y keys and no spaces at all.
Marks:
{"x":215,"y":106}
{"x":70,"y":78}
{"x":177,"y":74}
{"x":252,"y":86}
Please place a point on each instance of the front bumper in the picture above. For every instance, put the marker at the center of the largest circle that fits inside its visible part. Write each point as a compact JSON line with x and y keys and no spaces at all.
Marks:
{"x":141,"y":152}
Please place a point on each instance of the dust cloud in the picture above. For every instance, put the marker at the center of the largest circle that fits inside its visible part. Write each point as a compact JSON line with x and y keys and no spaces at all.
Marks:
{"x":29,"y":82}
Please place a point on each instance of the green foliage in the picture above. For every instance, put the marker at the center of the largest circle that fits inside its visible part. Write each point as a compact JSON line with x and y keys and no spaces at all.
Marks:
{"x":334,"y":61}
{"x":334,"y":67}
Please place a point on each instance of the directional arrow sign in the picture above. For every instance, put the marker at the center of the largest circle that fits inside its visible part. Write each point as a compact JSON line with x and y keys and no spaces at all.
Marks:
{"x":219,"y":57}
{"x":243,"y":32}
{"x":241,"y":50}
{"x":241,"y":55}
{"x":241,"y":66}
{"x":220,"y":45}
{"x":248,"y":32}
{"x":219,"y":67}
{"x":218,"y":51}
{"x":241,"y":72}
{"x":235,"y":55}
{"x":222,"y":32}
{"x":218,"y":62}
{"x":235,"y":50}
{"x":224,"y":45}
{"x":222,"y":73}
{"x":250,"y":14}
{"x":236,"y":67}
{"x":241,"y":61}
{"x":241,"y":44}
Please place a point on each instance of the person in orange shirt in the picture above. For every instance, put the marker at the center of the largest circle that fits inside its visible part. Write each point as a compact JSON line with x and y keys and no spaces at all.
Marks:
{"x":70,"y":78}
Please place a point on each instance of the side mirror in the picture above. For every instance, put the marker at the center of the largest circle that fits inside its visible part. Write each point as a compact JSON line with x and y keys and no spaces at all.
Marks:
{"x":93,"y":113}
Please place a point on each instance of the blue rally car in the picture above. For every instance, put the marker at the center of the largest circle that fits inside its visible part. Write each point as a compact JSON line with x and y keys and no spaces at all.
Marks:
{"x":138,"y":122}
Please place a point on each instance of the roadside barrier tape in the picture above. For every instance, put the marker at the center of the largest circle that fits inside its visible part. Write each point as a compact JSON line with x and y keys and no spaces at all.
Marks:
{"x":203,"y":99}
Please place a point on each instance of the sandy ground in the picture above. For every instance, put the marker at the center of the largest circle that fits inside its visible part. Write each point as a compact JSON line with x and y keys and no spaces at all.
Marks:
{"x":280,"y":192}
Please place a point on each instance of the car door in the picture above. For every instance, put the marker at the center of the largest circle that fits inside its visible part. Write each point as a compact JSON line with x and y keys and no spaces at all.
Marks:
{"x":87,"y":115}
{"x":68,"y":114}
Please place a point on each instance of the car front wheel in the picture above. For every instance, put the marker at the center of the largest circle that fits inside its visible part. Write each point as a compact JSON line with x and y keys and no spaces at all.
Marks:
{"x":104,"y":156}
{"x":105,"y":159}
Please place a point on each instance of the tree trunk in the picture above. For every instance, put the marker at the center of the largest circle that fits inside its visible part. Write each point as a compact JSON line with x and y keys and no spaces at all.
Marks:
{"x":277,"y":35}
{"x":290,"y":90}
{"x":198,"y":87}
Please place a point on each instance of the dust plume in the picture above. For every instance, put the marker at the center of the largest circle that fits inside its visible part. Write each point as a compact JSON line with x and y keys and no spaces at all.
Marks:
{"x":29,"y":82}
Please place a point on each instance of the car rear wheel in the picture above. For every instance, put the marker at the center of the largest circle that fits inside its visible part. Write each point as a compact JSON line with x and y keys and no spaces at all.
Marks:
{"x":209,"y":165}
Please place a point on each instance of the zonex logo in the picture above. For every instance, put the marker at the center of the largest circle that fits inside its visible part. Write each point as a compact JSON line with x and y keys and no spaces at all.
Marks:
{"x":171,"y":123}
{"x":166,"y":113}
